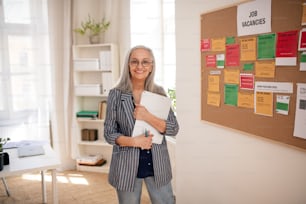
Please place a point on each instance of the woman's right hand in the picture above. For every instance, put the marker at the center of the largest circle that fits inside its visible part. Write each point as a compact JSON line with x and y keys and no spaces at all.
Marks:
{"x":143,"y":142}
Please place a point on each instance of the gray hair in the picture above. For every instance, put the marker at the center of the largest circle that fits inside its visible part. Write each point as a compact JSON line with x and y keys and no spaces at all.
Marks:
{"x":125,"y":83}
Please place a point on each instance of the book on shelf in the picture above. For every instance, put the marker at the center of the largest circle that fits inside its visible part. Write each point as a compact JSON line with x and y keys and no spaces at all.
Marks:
{"x":93,"y":134}
{"x":91,"y":160}
{"x":85,"y":134}
{"x":102,"y":110}
{"x":89,"y":134}
{"x":87,"y":114}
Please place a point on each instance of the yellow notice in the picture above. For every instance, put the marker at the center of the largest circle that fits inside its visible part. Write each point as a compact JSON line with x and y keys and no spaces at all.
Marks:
{"x":213,"y":99}
{"x":264,"y":103}
{"x":265,"y":69}
{"x":217,"y":44}
{"x":213,"y":83}
{"x":248,"y":49}
{"x":231,"y":76}
{"x":245,"y":100}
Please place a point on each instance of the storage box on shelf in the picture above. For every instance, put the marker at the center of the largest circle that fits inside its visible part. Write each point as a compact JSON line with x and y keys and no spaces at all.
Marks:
{"x":96,"y":69}
{"x":86,"y":64}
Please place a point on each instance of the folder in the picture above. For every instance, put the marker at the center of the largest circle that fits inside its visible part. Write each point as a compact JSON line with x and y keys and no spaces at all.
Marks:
{"x":87,"y":114}
{"x":159,"y":106}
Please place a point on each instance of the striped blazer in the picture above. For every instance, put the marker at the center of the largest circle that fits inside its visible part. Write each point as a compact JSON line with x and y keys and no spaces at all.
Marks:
{"x":119,"y":120}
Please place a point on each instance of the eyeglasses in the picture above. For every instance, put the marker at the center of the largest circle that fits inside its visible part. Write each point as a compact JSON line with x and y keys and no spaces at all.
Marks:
{"x":144,"y":63}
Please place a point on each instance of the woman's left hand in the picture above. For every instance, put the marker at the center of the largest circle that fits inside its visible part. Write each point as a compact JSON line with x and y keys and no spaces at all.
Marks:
{"x":140,"y":112}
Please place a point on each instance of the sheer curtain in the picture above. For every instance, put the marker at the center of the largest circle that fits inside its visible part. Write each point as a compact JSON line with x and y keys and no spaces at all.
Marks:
{"x":35,"y":73}
{"x":25,"y":87}
{"x":60,"y":21}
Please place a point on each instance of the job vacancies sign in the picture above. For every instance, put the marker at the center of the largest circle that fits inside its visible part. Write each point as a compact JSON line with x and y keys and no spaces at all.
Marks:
{"x":254,"y":17}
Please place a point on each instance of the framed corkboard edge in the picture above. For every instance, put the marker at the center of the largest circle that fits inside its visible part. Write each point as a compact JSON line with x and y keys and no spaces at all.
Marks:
{"x":222,"y":23}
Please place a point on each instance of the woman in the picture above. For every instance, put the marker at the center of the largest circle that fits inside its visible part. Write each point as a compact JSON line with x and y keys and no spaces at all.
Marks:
{"x":136,"y":159}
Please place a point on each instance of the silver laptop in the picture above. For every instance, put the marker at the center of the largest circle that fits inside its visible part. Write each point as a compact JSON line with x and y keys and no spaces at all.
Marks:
{"x":31,"y":150}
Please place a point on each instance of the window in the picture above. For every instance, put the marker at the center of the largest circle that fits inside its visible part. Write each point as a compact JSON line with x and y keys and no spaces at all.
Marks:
{"x":153,"y":25}
{"x":25,"y":69}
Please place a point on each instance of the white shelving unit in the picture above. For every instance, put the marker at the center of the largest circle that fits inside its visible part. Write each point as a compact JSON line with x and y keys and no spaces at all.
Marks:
{"x":96,"y":69}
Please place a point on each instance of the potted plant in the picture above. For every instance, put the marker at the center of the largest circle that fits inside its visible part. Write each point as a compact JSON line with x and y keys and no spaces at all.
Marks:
{"x":93,"y":28}
{"x":3,"y":141}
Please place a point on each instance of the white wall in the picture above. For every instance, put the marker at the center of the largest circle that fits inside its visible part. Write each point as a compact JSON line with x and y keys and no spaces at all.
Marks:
{"x":217,"y":165}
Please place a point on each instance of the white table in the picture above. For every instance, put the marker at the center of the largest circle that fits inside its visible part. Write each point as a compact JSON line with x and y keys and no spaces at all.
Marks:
{"x":48,"y":161}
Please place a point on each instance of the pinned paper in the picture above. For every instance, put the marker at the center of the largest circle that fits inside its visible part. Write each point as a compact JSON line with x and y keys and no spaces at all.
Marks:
{"x":282,"y":104}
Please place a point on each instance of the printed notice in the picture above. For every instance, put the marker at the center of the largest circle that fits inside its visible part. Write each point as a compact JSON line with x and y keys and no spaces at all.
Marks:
{"x":264,"y":90}
{"x":231,"y":94}
{"x":213,"y":99}
{"x":213,"y":83}
{"x":264,"y":103}
{"x":248,"y":49}
{"x":254,"y":17}
{"x":286,"y":48}
{"x":231,"y":76}
{"x":220,"y":61}
{"x":211,"y":61}
{"x":246,"y":100}
{"x":265,"y":69}
{"x":266,"y":46}
{"x":232,"y":55}
{"x":205,"y":45}
{"x":303,"y":61}
{"x":246,"y":81}
{"x":217,"y":44}
{"x":248,"y":67}
{"x":300,"y":112}
{"x":230,"y":40}
{"x":282,"y":104}
{"x":275,"y":87}
{"x":302,"y":40}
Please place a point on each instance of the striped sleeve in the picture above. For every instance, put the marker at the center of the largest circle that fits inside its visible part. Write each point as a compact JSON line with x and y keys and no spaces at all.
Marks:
{"x":172,"y":126}
{"x":111,"y":132}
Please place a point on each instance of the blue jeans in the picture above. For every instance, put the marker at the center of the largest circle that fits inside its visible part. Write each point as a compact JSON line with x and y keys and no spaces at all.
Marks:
{"x":162,"y":195}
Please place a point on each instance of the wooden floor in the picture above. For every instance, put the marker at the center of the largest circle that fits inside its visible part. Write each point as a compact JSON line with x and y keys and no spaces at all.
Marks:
{"x":74,"y":187}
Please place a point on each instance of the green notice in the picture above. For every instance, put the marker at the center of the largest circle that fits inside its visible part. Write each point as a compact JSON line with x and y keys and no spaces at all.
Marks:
{"x":248,"y":67}
{"x":266,"y":46}
{"x":231,"y":94}
{"x":230,"y":40}
{"x":282,"y":106}
{"x":220,"y":63}
{"x":303,"y":57}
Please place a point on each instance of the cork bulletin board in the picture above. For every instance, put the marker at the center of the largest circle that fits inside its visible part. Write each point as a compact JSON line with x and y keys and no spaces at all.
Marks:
{"x":286,"y":16}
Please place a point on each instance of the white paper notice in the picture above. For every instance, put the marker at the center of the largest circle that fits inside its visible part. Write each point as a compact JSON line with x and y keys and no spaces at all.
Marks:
{"x":300,"y":112}
{"x":254,"y":17}
{"x":275,"y":87}
{"x":303,"y":62}
{"x":159,"y":106}
{"x":285,"y":61}
{"x":282,"y":104}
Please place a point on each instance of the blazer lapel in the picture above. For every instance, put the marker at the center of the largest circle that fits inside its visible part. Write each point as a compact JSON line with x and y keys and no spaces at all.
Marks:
{"x":128,"y":106}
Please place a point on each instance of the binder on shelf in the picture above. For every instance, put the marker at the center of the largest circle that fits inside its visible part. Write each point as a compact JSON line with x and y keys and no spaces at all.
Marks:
{"x":105,"y":60}
{"x":85,"y":135}
{"x":89,"y":134}
{"x":87,"y":114}
{"x":88,"y":89}
{"x":102,"y":109}
{"x":93,"y":135}
{"x":85,"y":64}
{"x":107,"y":82}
